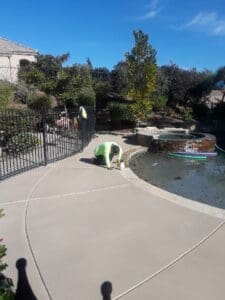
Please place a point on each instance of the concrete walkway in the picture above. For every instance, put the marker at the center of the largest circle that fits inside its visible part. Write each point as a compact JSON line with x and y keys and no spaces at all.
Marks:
{"x":78,"y":225}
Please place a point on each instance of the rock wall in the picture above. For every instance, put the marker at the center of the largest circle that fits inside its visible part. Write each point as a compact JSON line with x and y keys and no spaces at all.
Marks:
{"x":206,"y":142}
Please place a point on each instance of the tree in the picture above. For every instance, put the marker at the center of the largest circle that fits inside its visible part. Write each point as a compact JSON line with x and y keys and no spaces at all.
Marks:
{"x":102,"y":86}
{"x":161,"y":94}
{"x":89,"y":63}
{"x":203,"y":84}
{"x":69,"y":85}
{"x":142,"y":73}
{"x":119,"y":78}
{"x":162,"y":83}
{"x":102,"y":74}
{"x":39,"y":101}
{"x":43,"y":73}
{"x":176,"y":84}
{"x":75,"y":86}
{"x":184,"y":86}
{"x":220,"y":74}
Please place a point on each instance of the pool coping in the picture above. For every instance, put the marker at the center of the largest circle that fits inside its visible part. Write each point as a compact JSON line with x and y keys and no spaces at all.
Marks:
{"x":128,"y":174}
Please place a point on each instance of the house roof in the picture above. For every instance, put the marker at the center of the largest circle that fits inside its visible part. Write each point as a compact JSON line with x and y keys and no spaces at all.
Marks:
{"x":214,"y":97}
{"x":9,"y":47}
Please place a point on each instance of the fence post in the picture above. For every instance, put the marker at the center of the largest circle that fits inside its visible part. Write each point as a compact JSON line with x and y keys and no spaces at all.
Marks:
{"x":83,"y":132}
{"x":106,"y":290}
{"x":44,"y":138}
{"x":0,"y":166}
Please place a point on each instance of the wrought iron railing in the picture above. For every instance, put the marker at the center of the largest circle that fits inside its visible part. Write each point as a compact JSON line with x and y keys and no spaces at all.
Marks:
{"x":30,"y":139}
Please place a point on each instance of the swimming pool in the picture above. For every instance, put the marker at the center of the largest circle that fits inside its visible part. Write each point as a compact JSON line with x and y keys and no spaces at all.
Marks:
{"x":202,"y":181}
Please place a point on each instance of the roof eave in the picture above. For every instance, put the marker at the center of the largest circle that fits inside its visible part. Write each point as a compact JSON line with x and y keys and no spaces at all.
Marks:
{"x":18,"y":53}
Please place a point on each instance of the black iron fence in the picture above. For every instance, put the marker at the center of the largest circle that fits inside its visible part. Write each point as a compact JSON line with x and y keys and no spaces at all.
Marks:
{"x":30,"y":139}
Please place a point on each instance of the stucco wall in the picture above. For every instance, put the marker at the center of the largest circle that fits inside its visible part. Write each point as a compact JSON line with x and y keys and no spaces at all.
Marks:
{"x":9,"y":65}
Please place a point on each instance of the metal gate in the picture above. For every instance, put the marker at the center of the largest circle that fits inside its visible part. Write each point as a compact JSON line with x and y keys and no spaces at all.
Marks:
{"x":29,"y":139}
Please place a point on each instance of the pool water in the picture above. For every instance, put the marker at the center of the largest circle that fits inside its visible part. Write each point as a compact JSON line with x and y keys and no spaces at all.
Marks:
{"x":202,"y":181}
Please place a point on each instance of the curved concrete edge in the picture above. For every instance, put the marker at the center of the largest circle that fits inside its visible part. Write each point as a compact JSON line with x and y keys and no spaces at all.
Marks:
{"x":176,"y":199}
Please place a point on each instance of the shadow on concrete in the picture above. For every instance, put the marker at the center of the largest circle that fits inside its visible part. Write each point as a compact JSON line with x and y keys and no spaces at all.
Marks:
{"x":92,"y":161}
{"x":89,"y":161}
{"x":130,"y":139}
{"x":111,"y":132}
{"x":106,"y":290}
{"x":23,"y":289}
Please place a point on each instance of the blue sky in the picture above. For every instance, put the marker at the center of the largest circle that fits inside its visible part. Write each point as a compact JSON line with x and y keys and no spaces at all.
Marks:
{"x":188,"y":33}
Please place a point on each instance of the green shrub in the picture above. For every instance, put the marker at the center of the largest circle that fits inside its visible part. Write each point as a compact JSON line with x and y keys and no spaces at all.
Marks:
{"x":22,"y":143}
{"x":23,"y":91}
{"x":160,"y":103}
{"x":15,"y":121}
{"x":2,"y":250}
{"x":39,"y":101}
{"x":119,"y":111}
{"x":5,"y":283}
{"x":141,"y":109}
{"x":6,"y":94}
{"x":86,"y":96}
{"x":187,"y":114}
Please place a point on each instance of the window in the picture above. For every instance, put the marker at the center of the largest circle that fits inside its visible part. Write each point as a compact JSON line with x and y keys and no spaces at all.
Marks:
{"x":24,"y":63}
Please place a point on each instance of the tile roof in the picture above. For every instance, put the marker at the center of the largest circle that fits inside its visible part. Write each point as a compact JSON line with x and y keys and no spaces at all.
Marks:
{"x":8,"y":47}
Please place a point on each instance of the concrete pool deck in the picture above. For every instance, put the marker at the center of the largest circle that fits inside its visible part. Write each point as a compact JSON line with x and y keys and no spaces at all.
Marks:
{"x":78,"y":225}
